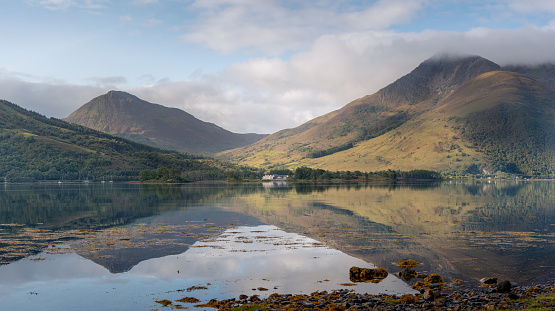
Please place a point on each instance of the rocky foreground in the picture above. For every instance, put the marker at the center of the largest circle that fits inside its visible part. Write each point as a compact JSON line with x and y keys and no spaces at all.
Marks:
{"x":434,"y":294}
{"x":540,"y":297}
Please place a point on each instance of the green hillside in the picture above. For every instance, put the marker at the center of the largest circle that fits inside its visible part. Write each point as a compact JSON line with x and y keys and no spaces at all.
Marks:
{"x":454,"y":115}
{"x":513,"y":124}
{"x":36,"y":148}
{"x":128,"y":116}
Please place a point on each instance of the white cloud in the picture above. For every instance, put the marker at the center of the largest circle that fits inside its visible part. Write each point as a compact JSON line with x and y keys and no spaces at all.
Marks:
{"x":277,"y":27}
{"x":57,"y":4}
{"x":51,"y":99}
{"x":382,"y":14}
{"x":108,"y":81}
{"x":550,"y":26}
{"x":532,"y":6}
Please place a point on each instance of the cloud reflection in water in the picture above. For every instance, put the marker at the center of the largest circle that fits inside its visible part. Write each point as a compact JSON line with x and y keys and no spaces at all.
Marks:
{"x":233,"y":263}
{"x":265,"y":256}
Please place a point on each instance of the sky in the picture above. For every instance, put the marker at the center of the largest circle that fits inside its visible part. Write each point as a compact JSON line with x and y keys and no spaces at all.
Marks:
{"x":249,"y":65}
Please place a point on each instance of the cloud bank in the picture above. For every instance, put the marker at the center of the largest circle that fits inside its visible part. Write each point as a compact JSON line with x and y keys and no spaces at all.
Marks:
{"x":267,"y":94}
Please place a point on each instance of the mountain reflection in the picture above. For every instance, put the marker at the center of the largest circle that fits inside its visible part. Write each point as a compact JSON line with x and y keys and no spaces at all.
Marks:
{"x":459,"y":229}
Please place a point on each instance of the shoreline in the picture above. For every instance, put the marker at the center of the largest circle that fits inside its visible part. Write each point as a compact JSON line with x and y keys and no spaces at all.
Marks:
{"x":539,"y":297}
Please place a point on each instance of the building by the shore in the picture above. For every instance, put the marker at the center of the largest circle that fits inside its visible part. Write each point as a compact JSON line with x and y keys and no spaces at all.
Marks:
{"x":274,"y":177}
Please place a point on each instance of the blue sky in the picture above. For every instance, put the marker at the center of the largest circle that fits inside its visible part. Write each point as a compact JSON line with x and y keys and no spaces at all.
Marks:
{"x":249,"y":65}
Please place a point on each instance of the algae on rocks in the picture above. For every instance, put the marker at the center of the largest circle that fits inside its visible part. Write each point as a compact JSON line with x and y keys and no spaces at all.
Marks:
{"x":357,"y":274}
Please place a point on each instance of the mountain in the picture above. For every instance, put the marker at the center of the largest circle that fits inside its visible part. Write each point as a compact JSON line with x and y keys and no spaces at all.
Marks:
{"x":36,"y":148}
{"x":128,"y":116}
{"x":542,"y":72}
{"x":454,"y":114}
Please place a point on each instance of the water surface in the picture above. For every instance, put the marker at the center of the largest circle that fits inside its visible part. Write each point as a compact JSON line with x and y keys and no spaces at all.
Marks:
{"x":124,"y":246}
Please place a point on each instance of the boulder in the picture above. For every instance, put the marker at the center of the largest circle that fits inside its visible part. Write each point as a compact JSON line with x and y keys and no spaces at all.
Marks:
{"x":488,"y":281}
{"x":357,"y":274}
{"x":504,"y":287}
{"x":433,"y":279}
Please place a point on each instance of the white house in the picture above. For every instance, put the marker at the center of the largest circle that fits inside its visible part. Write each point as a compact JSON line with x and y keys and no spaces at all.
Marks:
{"x":274,"y":176}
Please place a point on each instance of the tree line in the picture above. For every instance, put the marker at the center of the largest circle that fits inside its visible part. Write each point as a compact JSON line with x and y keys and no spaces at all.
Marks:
{"x":307,"y":173}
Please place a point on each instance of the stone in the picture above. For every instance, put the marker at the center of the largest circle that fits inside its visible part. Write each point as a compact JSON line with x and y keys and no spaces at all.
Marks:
{"x":513,"y":296}
{"x":357,"y":274}
{"x":254,"y":298}
{"x":431,"y":295}
{"x":433,"y":279}
{"x":488,"y":281}
{"x":408,"y":273}
{"x":428,"y":296}
{"x":408,"y":299}
{"x":504,"y":287}
{"x":408,"y":263}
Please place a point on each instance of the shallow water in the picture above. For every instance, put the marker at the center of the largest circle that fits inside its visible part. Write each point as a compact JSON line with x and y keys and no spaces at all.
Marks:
{"x":125,"y":246}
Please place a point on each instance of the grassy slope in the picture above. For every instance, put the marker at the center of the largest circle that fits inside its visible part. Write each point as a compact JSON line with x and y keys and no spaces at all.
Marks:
{"x":426,"y":144}
{"x":289,"y":148}
{"x":33,"y":147}
{"x":444,"y":138}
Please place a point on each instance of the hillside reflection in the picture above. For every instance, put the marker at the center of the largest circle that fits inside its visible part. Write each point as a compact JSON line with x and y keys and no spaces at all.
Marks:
{"x":463,"y":230}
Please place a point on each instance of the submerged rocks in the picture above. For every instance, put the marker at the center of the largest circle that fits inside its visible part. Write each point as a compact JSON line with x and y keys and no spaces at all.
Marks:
{"x":357,"y":274}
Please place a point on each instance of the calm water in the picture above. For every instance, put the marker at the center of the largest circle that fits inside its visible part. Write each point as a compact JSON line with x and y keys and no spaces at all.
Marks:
{"x":125,"y":246}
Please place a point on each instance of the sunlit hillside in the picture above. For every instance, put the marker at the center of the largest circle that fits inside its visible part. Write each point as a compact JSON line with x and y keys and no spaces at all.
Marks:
{"x":456,"y":116}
